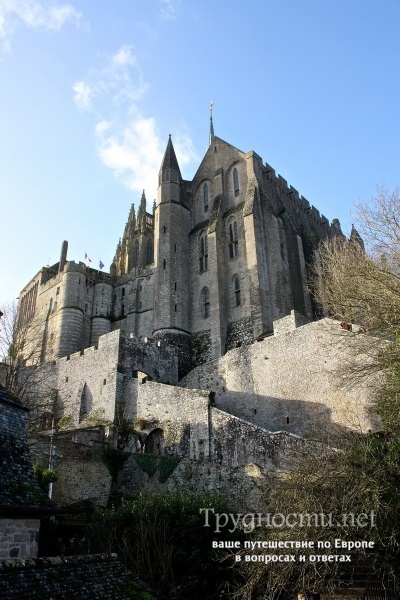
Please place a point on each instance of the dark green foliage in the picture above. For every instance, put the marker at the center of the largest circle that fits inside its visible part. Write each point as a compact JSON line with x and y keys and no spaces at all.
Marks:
{"x":44,"y":477}
{"x":28,"y":491}
{"x":134,"y":592}
{"x":162,"y":539}
{"x":114,"y":460}
{"x":150,"y":463}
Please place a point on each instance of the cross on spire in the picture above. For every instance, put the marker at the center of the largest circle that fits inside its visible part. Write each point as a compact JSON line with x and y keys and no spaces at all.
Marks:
{"x":211,"y":134}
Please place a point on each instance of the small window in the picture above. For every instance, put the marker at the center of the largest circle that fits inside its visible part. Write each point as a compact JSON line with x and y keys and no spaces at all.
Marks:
{"x":122,"y":310}
{"x":104,"y":381}
{"x":174,"y":247}
{"x":57,"y":291}
{"x":205,"y":197}
{"x":175,"y":307}
{"x":233,"y":240}
{"x":203,"y":253}
{"x":164,"y":229}
{"x":206,"y":303}
{"x":237,"y":291}
{"x":236,"y":181}
{"x":164,"y":263}
{"x":175,"y":286}
{"x":66,"y":380}
{"x":123,"y":292}
{"x":287,"y":420}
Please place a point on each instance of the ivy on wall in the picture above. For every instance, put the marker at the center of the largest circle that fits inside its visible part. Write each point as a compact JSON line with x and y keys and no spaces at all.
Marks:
{"x":151,"y":463}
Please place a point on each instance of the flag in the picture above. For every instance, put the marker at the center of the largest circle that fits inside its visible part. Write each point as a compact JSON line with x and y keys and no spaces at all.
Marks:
{"x":101,"y":264}
{"x":87,"y":258}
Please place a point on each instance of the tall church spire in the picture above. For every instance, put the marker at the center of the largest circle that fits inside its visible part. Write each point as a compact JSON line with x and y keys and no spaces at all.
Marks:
{"x":211,"y":134}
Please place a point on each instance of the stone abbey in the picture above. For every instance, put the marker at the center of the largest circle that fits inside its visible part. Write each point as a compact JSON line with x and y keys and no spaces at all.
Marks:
{"x":217,"y":261}
{"x":202,"y":342}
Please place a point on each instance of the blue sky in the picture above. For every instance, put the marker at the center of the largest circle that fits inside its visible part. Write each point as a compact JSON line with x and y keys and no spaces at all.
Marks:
{"x":90,"y":91}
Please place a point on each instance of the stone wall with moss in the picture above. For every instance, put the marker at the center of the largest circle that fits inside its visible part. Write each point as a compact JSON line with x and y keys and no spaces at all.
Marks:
{"x":181,"y":414}
{"x":238,"y":333}
{"x":81,"y":474}
{"x":242,"y":487}
{"x":201,"y":347}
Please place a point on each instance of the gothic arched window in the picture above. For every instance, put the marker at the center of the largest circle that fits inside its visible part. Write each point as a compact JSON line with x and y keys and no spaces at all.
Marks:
{"x":206,"y":303}
{"x":205,"y":197}
{"x":203,"y":251}
{"x":236,"y":283}
{"x":236,"y":181}
{"x":233,"y":240}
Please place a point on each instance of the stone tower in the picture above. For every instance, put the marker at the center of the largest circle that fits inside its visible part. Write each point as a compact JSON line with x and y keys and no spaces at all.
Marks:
{"x":172,"y":224}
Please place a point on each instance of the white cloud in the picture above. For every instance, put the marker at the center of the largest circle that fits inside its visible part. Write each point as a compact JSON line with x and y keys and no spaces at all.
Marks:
{"x":35,"y":14}
{"x":169,"y":9}
{"x":120,"y":81}
{"x":83,"y":94}
{"x":124,"y":56}
{"x":128,"y":142}
{"x":134,"y":153}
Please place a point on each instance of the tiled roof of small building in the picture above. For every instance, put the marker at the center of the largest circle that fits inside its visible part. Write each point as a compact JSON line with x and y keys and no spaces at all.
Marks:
{"x":20,"y":493}
{"x":91,"y":577}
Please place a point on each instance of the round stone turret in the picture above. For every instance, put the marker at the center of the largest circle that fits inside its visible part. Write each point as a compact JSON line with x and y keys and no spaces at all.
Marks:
{"x":71,"y":310}
{"x":101,"y":312}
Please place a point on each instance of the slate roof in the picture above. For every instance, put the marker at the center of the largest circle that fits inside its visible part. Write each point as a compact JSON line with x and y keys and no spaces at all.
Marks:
{"x":170,"y":161}
{"x":20,"y":494}
{"x":90,"y":577}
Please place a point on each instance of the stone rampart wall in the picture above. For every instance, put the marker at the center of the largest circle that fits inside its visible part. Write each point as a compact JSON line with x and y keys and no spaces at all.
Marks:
{"x":295,"y":382}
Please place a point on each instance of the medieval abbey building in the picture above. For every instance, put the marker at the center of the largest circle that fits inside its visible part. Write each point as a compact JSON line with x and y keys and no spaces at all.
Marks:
{"x":203,"y":338}
{"x":218,"y":260}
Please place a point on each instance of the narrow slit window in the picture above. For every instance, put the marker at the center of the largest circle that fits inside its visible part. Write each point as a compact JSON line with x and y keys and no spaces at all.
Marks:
{"x":206,"y":303}
{"x":236,"y":181}
{"x":203,"y":253}
{"x":233,"y":240}
{"x":205,"y":197}
{"x":237,"y":291}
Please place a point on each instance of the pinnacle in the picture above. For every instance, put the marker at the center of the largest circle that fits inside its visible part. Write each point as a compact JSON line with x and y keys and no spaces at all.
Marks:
{"x":170,"y":161}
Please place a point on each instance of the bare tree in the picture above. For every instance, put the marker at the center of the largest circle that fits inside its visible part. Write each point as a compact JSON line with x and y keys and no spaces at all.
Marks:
{"x":23,"y":369}
{"x":347,"y":495}
{"x":360,"y":286}
{"x":363,"y":287}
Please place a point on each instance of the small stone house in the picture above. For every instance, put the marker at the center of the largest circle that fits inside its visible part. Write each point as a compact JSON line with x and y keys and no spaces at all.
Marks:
{"x":22,"y":502}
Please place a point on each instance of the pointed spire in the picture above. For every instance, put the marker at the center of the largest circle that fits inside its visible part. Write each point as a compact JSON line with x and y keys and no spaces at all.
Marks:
{"x":211,"y":134}
{"x":143,"y":201}
{"x":170,"y":161}
{"x":132,"y":216}
{"x":355,"y":238}
{"x":141,"y":217}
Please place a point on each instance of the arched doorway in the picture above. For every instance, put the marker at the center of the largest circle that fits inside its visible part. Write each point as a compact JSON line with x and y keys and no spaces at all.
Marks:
{"x":155,"y":443}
